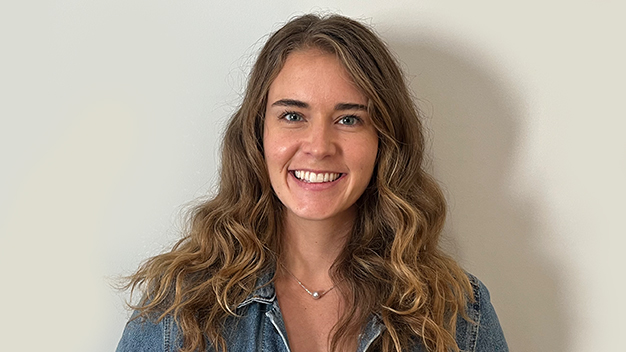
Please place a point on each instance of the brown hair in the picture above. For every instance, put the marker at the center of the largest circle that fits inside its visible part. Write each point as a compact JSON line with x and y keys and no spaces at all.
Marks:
{"x":392,"y":265}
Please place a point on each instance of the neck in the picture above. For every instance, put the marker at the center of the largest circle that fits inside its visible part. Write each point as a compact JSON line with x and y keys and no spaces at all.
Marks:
{"x":310,"y":247}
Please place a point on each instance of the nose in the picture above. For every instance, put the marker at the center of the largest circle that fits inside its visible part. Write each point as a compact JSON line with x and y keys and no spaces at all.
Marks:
{"x":320,"y":140}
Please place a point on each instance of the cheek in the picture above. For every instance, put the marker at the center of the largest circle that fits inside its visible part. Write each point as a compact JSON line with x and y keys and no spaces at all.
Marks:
{"x":362,"y":156}
{"x":269,"y":145}
{"x":277,"y":152}
{"x":369,"y":151}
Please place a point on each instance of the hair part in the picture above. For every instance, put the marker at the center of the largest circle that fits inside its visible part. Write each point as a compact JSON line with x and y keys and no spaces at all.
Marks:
{"x":392,"y":264}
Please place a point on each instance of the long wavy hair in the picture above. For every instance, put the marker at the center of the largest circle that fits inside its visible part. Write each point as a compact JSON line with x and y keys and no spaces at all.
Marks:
{"x":392,"y":264}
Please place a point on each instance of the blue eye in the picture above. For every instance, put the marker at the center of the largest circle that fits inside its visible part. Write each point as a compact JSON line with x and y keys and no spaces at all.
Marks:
{"x":291,"y":116}
{"x":349,"y":120}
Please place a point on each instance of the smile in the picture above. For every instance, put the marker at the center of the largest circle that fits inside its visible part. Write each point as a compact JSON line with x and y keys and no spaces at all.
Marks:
{"x":312,"y":177}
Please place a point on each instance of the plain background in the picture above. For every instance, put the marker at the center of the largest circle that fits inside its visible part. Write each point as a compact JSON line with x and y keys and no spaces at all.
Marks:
{"x":112,"y":113}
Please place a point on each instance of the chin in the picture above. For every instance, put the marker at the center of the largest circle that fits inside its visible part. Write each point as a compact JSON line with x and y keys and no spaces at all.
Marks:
{"x":320,"y":213}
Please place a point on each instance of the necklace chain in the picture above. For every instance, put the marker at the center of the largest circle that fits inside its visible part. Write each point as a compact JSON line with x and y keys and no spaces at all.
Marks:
{"x":314,"y":294}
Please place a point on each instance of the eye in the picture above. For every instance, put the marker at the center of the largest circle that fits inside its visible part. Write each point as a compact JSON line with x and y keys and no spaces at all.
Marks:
{"x":291,"y":116}
{"x":349,"y":120}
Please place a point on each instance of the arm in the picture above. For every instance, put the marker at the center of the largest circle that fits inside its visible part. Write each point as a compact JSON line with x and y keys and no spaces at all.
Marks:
{"x":488,"y":335}
{"x":148,"y":335}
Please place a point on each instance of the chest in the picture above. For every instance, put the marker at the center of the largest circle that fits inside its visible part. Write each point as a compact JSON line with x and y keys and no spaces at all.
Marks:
{"x":310,"y":322}
{"x":263,"y":328}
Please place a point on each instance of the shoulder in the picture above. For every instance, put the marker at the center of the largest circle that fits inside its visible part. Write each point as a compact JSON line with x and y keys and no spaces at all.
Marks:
{"x":482,"y":332}
{"x":150,"y":334}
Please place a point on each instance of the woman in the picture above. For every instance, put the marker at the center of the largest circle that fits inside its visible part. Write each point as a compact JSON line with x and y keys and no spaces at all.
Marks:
{"x":324,"y":232}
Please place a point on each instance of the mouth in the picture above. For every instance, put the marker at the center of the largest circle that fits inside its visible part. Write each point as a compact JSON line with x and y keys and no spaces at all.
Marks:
{"x":312,"y":177}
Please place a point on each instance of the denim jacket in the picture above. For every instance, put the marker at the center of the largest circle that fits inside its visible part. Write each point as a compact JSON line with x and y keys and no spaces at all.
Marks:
{"x":260,"y":327}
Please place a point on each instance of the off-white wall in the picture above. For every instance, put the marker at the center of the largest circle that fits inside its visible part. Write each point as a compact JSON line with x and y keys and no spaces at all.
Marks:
{"x":112,"y":110}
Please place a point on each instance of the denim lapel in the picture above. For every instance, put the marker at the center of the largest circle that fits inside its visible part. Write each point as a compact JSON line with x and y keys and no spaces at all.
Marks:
{"x":264,"y":291}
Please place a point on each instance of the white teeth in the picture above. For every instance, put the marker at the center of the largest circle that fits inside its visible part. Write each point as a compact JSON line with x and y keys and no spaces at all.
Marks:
{"x":312,"y":177}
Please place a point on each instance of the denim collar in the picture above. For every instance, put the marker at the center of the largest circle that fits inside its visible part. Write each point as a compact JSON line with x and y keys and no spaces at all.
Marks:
{"x":265,"y":293}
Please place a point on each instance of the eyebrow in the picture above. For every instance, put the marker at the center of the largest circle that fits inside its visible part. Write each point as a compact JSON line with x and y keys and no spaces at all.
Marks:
{"x":303,"y":105}
{"x":291,"y":102}
{"x":350,"y":106}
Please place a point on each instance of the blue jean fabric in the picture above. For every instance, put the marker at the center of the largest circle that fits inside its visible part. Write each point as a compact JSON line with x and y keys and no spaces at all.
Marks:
{"x":260,"y":327}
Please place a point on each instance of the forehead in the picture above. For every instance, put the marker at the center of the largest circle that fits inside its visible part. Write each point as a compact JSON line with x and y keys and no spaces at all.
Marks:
{"x":315,"y":75}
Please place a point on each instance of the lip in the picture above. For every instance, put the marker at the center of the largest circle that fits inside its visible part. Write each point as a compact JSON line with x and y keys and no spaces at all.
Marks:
{"x":313,"y":185}
{"x":313,"y":170}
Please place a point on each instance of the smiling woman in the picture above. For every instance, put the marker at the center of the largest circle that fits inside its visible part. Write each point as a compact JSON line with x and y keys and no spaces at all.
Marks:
{"x":324,"y":232}
{"x":319,"y":142}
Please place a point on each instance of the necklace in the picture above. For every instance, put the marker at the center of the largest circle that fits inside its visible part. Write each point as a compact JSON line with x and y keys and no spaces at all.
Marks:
{"x":314,"y":294}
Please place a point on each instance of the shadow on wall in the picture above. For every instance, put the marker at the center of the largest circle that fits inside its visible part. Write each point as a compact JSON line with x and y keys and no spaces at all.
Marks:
{"x":476,"y":122}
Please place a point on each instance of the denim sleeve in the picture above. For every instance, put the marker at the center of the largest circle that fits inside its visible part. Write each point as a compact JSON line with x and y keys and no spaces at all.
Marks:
{"x":148,"y":335}
{"x":489,"y":336}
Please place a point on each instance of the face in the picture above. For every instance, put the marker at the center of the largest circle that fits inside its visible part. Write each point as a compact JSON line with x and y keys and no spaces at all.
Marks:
{"x":319,"y":142}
